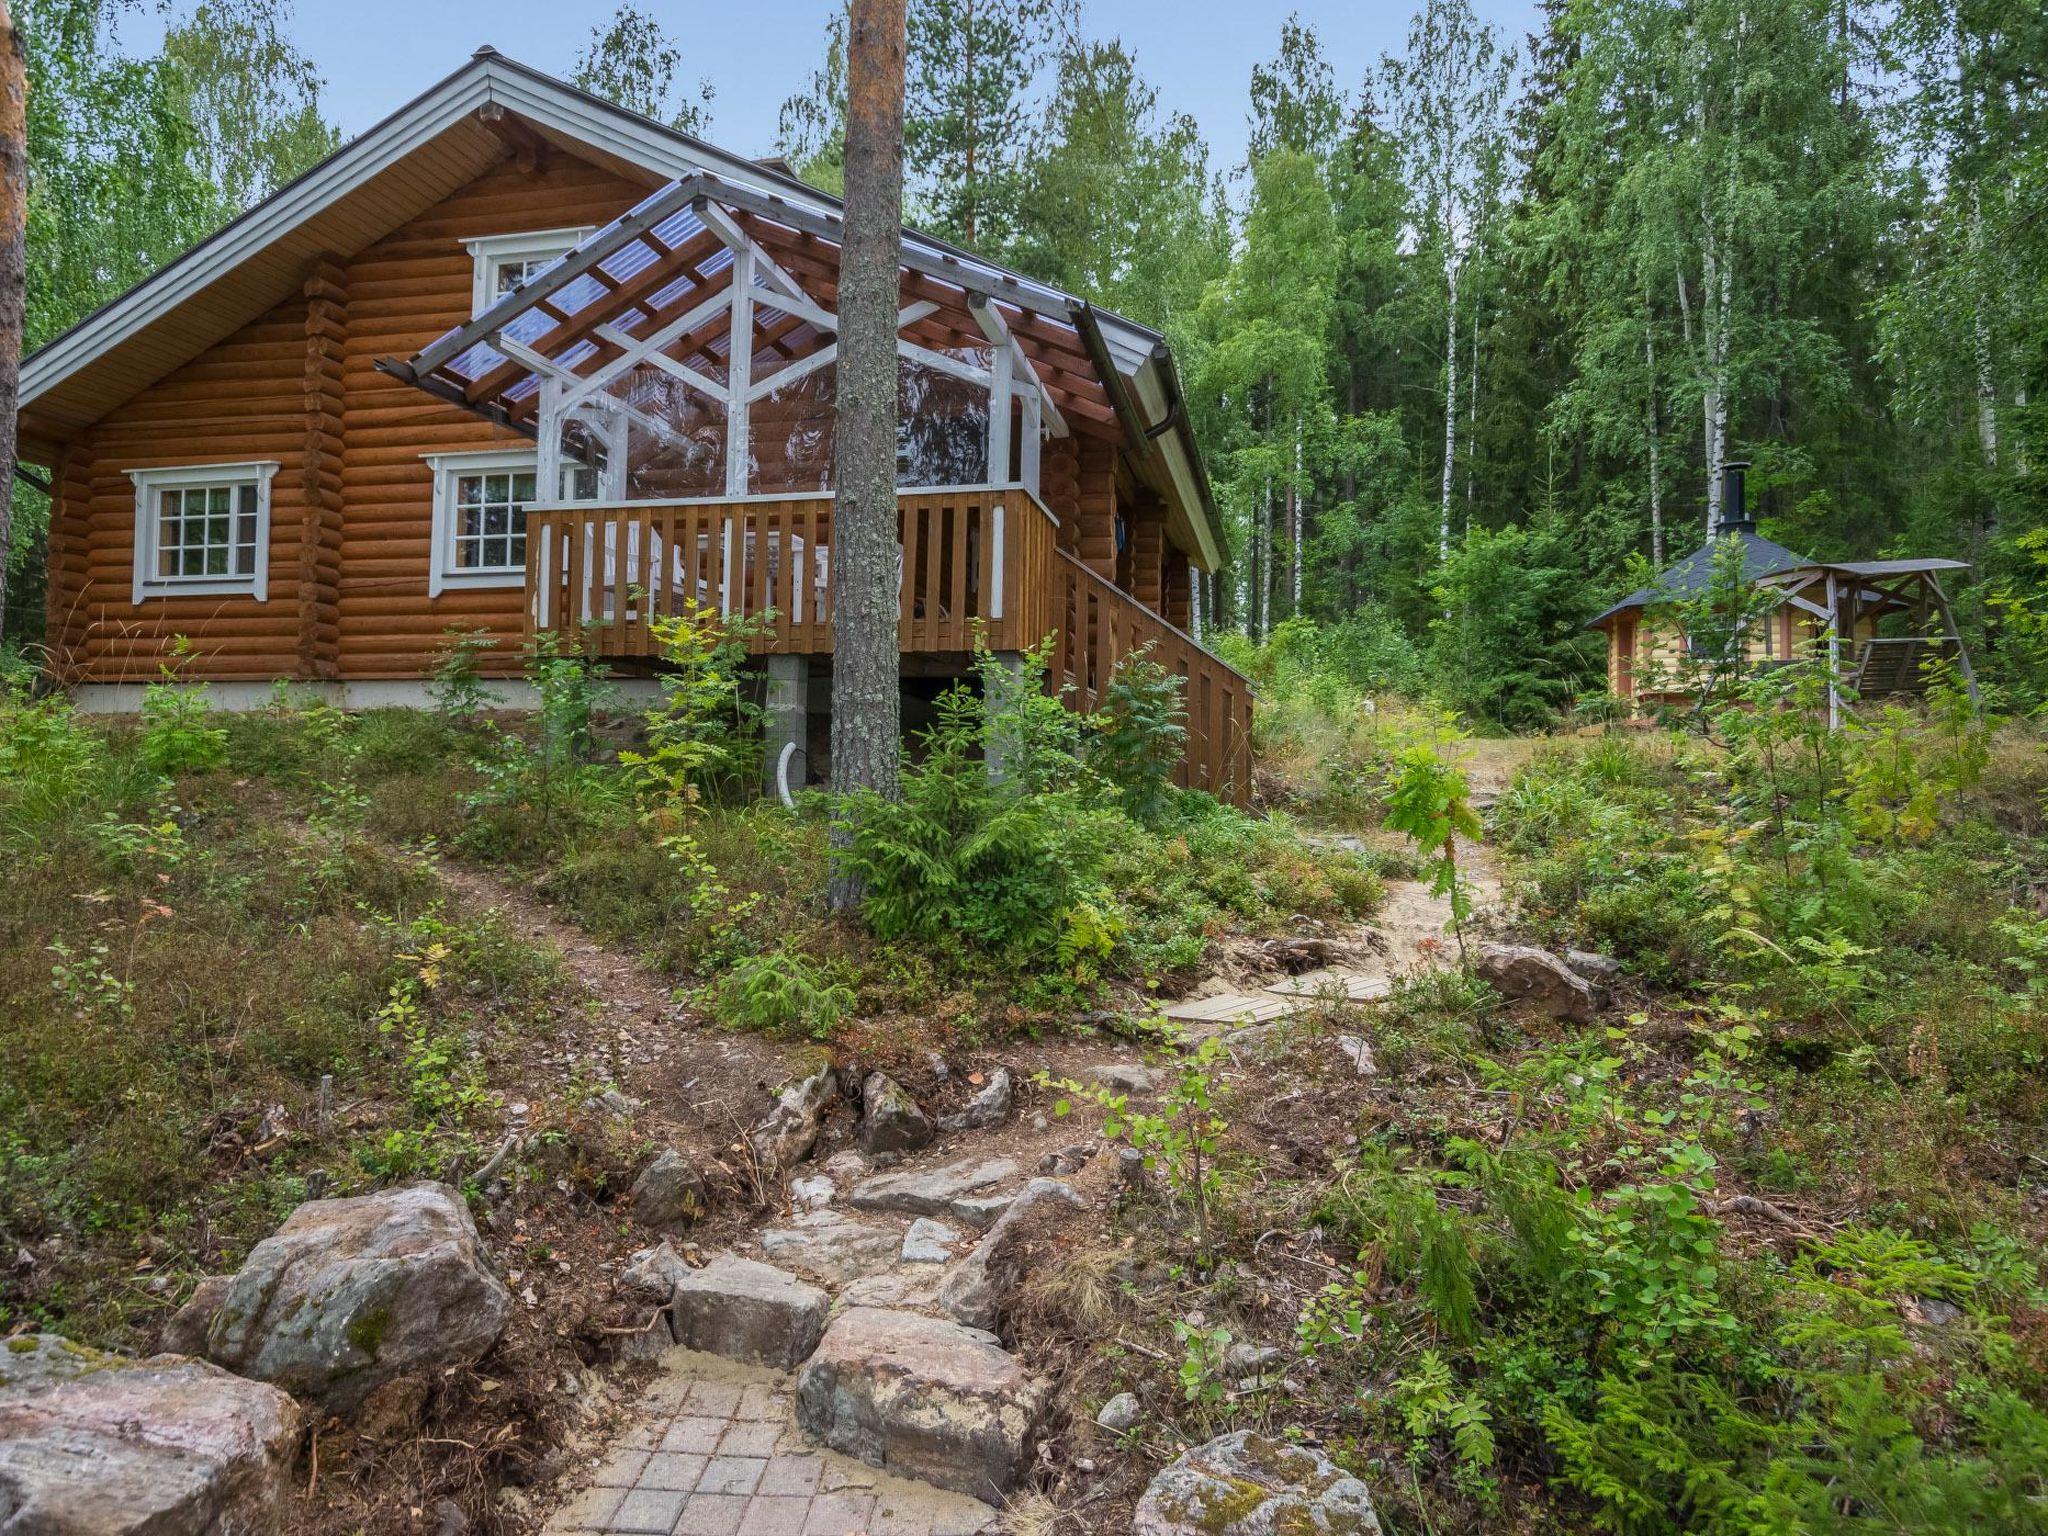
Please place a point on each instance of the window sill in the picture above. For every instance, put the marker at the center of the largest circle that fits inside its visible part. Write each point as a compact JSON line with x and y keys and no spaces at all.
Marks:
{"x":241,"y":587}
{"x":463,"y":581}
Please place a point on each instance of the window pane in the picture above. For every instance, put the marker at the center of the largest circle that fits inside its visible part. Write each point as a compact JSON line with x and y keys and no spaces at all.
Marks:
{"x":522,"y":486}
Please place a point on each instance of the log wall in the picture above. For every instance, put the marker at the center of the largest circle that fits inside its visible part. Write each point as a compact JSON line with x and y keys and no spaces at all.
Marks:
{"x":403,"y":292}
{"x":352,"y":501}
{"x":242,"y":400}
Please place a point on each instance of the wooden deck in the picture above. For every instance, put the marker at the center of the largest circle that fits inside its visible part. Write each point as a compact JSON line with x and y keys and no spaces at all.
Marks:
{"x":980,"y":566}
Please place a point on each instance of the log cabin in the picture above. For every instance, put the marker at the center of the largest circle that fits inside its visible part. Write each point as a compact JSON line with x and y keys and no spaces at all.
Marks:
{"x":1881,"y":621}
{"x":476,"y":372}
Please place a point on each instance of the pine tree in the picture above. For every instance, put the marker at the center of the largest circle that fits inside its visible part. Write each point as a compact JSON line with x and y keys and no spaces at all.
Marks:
{"x":866,"y":697}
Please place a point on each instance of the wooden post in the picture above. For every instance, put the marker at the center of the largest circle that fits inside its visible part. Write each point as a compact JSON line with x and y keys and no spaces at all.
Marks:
{"x":1834,"y":656}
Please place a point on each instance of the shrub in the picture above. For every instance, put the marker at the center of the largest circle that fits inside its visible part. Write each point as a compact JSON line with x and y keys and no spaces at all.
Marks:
{"x":966,"y":856}
{"x":1139,"y":736}
{"x":782,"y":992}
{"x":178,"y":732}
{"x":457,"y":686}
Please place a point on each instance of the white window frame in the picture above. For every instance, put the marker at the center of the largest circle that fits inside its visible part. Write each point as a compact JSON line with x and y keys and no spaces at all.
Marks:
{"x":490,"y":253}
{"x":148,"y":482}
{"x":443,"y":574}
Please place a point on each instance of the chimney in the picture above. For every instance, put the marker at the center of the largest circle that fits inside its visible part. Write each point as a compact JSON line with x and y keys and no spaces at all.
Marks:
{"x":1735,"y":516}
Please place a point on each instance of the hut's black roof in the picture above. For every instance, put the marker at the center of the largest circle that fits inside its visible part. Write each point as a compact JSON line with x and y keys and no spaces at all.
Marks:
{"x":1760,"y":558}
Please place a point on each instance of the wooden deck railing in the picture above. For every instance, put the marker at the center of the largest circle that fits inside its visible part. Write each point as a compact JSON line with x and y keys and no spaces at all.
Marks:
{"x":1097,"y":624}
{"x":602,"y":574}
{"x":979,"y":565}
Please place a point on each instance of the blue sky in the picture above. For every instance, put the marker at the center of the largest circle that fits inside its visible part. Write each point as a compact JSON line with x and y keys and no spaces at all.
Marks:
{"x":376,"y":54}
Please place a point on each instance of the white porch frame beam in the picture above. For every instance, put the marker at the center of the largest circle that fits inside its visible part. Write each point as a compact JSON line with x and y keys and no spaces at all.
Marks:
{"x":740,"y":243}
{"x":689,"y":320}
{"x":739,"y":371}
{"x":998,"y":331}
{"x":668,"y":365}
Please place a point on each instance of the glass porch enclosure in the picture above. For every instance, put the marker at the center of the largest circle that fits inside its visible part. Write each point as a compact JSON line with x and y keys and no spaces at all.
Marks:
{"x":691,"y":435}
{"x":665,"y":504}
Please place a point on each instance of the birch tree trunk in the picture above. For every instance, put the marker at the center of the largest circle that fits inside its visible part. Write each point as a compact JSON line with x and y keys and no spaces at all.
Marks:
{"x":866,"y":698}
{"x":13,"y":270}
{"x":1294,"y":512}
{"x":1980,"y":341}
{"x":1443,"y":535}
{"x":1656,"y":445}
{"x":1714,"y":317}
{"x":1472,"y":414}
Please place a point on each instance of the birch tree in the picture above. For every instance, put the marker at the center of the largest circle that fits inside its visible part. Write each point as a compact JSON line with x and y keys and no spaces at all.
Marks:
{"x":1447,"y":99}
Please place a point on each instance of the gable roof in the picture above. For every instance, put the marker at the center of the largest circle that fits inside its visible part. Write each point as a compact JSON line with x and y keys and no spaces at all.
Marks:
{"x":1695,"y":573}
{"x":345,"y":202}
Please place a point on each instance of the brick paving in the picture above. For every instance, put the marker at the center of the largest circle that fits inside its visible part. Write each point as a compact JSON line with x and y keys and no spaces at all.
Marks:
{"x":713,"y":1449}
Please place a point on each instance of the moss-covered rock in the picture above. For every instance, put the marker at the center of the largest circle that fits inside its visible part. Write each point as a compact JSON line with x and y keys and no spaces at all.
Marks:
{"x":1247,"y":1484}
{"x":350,"y":1294}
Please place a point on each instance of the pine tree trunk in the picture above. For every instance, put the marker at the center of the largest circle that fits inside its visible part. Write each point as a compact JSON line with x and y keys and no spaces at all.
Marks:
{"x":866,"y":697}
{"x":13,"y":268}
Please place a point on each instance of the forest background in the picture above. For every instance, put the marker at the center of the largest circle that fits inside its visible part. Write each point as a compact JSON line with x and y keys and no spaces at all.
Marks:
{"x":1467,"y":337}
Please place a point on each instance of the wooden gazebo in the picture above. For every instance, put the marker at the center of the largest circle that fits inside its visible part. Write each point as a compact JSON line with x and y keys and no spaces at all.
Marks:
{"x":1881,"y":621}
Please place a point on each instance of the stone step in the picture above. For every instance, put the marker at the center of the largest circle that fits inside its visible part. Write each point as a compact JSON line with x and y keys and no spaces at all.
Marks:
{"x":747,"y":1311}
{"x":963,"y":1189}
{"x":713,"y":1448}
{"x":922,"y":1397}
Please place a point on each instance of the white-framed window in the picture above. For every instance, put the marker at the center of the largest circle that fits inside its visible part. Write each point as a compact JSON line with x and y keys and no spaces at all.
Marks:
{"x":503,"y":262}
{"x":480,"y":502}
{"x":203,"y":529}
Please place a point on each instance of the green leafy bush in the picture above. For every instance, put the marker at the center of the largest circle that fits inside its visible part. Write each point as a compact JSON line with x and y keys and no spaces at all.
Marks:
{"x":179,"y":734}
{"x":1139,"y":735}
{"x":782,"y":992}
{"x":994,"y":861}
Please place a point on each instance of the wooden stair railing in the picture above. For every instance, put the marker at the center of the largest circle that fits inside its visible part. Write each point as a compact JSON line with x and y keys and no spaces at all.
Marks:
{"x":1097,"y":624}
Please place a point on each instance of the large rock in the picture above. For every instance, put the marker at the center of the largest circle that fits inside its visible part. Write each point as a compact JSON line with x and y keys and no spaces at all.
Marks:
{"x":747,"y":1311}
{"x":103,"y":1445}
{"x":350,"y":1294}
{"x":829,"y":1246}
{"x":1247,"y":1485}
{"x":988,"y":1108}
{"x":669,"y":1191}
{"x":1523,"y":973}
{"x":924,"y":1398}
{"x":942,"y":1191}
{"x":890,"y":1119}
{"x":977,"y":1286}
{"x":185,"y":1333}
{"x":785,"y":1137}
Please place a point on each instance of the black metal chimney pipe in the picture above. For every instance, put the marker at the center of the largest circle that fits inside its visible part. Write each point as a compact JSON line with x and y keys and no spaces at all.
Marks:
{"x":1734,"y":500}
